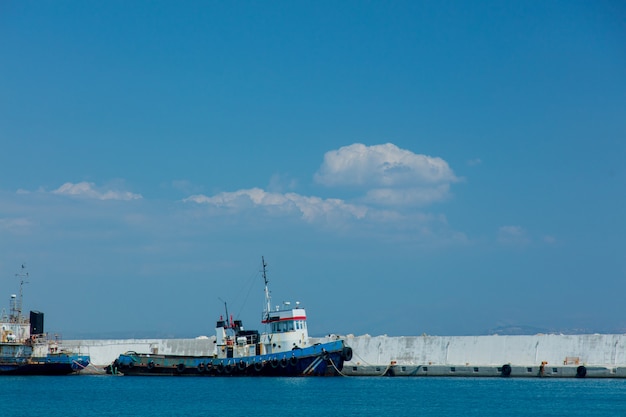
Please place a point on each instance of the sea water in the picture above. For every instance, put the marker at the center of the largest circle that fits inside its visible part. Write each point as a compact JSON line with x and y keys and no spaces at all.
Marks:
{"x":87,"y":396}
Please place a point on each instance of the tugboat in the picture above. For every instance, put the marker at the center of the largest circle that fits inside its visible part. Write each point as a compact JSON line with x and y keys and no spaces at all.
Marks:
{"x":283,"y":351}
{"x":24,"y":347}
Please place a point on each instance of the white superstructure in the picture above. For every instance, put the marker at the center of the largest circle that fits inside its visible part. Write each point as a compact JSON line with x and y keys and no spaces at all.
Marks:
{"x":287,"y":330}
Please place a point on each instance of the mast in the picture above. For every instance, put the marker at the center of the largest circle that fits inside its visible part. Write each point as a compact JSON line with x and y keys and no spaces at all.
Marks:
{"x":268,"y":300}
{"x":228,"y":323}
{"x":16,"y":305}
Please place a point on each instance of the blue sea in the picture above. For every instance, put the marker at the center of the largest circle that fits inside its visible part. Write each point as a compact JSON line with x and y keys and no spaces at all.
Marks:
{"x":87,"y":396}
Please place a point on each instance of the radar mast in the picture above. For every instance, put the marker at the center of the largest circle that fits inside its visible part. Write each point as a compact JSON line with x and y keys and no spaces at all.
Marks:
{"x":16,"y":304}
{"x":268,"y":300}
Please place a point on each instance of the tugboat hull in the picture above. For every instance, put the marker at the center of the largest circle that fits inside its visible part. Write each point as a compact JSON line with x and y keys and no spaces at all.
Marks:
{"x":284,"y":350}
{"x":319,"y":360}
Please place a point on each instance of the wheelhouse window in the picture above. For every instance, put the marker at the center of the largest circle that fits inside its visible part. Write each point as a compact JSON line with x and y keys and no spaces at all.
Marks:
{"x":283,"y":326}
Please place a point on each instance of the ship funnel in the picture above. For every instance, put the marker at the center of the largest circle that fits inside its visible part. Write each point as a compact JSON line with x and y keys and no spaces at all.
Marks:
{"x":36,"y":322}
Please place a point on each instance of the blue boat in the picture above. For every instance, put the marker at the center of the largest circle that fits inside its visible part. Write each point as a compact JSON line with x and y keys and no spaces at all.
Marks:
{"x":26,"y":350}
{"x":284,"y":350}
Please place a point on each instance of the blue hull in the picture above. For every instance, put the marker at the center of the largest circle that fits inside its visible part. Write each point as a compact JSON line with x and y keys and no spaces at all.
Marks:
{"x":319,"y":360}
{"x":49,"y":365}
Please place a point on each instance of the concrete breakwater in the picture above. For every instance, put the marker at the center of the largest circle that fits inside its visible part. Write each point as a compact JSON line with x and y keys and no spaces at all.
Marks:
{"x":549,"y":355}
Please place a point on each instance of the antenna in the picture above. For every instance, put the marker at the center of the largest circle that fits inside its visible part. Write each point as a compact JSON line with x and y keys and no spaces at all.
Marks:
{"x":225,"y":308}
{"x":268,"y":303}
{"x":17,"y":308}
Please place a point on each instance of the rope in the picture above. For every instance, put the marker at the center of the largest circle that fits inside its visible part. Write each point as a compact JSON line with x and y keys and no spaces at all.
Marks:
{"x":342,"y":374}
{"x":93,"y":368}
{"x":336,"y":369}
{"x":360,"y":357}
{"x":367,"y":363}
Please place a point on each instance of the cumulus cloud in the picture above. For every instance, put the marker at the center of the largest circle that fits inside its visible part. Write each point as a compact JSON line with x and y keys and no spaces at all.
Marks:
{"x":381,"y":165}
{"x":512,"y":235}
{"x":408,"y":196}
{"x":389,"y":183}
{"x":332,"y":213}
{"x":389,"y":175}
{"x":309,"y":208}
{"x":89,"y":190}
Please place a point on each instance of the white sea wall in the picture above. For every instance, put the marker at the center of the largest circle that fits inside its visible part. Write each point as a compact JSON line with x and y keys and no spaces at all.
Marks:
{"x":596,"y":349}
{"x":103,"y":352}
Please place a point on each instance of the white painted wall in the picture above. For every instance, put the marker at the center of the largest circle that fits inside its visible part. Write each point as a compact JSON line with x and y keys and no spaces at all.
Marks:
{"x":605,"y":349}
{"x":598,"y":349}
{"x":103,"y":352}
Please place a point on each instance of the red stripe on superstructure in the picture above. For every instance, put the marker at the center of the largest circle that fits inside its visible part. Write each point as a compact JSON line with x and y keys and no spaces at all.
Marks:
{"x":285,"y":319}
{"x":297,"y":318}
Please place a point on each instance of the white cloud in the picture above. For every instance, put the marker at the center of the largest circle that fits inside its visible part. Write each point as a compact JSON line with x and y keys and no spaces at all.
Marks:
{"x":389,"y":182}
{"x":309,"y":208}
{"x":89,"y":190}
{"x":549,"y":239}
{"x":474,"y":162}
{"x":381,"y":165}
{"x":391,"y":176}
{"x":408,"y":196}
{"x":512,"y":235}
{"x":14,"y":224}
{"x":335,"y":214}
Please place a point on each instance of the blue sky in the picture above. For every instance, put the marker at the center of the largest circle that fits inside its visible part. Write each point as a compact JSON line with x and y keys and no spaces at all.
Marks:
{"x":404,"y":167}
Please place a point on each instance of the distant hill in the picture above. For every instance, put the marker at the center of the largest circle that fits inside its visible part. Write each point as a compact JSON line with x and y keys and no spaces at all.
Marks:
{"x":517,"y":330}
{"x":531,"y":330}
